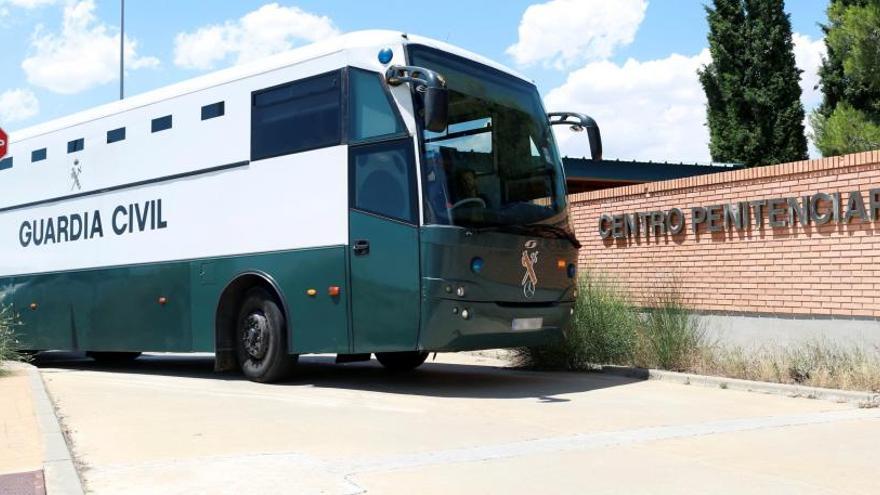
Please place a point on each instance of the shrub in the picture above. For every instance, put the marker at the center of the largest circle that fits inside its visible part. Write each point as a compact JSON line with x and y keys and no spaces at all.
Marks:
{"x":602,"y":331}
{"x":671,"y":337}
{"x":8,"y":341}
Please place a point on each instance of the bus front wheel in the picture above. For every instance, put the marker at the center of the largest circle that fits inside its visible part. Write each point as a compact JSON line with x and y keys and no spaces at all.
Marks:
{"x":401,"y":361}
{"x":260,"y":343}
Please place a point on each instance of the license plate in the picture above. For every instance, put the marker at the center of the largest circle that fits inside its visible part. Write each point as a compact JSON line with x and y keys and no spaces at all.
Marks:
{"x":528,"y":323}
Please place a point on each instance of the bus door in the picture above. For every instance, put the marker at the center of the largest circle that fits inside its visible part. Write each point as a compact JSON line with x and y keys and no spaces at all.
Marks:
{"x":384,"y":246}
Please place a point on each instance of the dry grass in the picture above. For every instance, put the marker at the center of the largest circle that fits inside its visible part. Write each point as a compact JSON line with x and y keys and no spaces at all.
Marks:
{"x":608,"y":329}
{"x":818,"y":363}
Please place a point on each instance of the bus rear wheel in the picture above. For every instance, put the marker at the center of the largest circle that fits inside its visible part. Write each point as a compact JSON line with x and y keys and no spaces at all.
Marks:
{"x":401,"y":361}
{"x":259,"y":334}
{"x":113,"y":357}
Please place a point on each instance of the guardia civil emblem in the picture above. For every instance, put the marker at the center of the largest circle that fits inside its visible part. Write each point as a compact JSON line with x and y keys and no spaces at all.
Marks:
{"x":528,"y":261}
{"x":75,"y":174}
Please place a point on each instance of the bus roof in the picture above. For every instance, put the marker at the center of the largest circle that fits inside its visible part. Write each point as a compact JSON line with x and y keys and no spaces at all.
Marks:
{"x":356,"y":39}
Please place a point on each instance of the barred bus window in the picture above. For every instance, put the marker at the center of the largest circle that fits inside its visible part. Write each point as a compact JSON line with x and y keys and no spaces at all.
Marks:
{"x":297,"y":116}
{"x":213,"y":110}
{"x":38,"y":155}
{"x":76,"y":145}
{"x":6,"y":163}
{"x":161,"y":123}
{"x":115,"y":135}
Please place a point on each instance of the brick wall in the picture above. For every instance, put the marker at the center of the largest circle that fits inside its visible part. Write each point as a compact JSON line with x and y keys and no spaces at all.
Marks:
{"x":804,"y":268}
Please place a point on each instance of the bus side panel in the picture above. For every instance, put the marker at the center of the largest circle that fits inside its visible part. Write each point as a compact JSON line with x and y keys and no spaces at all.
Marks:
{"x":317,"y":323}
{"x":115,"y":309}
{"x":138,"y":308}
{"x":48,"y":309}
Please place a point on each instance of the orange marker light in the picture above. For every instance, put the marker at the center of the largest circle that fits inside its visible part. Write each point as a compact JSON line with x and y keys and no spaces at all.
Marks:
{"x":561,"y":264}
{"x":312,"y":292}
{"x":33,"y":306}
{"x":333,"y":291}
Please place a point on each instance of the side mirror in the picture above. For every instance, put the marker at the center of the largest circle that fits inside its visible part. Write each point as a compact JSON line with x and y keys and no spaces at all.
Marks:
{"x":579,"y":122}
{"x":436,"y":109}
{"x":432,"y":87}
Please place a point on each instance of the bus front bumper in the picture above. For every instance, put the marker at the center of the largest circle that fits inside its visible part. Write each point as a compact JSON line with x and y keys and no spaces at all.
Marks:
{"x":490,"y":325}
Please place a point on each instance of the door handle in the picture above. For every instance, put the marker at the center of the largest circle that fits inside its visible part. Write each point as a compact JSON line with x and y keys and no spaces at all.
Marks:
{"x":361,"y":247}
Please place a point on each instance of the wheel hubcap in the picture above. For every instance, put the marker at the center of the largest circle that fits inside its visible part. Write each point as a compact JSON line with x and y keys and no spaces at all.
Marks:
{"x":255,"y":335}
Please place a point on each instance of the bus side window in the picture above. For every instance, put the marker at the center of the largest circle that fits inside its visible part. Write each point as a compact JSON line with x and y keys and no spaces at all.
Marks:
{"x":373,"y":114}
{"x":383,"y":179}
{"x":298,"y":116}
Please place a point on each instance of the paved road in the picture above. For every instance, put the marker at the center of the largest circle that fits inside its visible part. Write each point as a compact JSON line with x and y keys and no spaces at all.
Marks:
{"x":166,"y":424}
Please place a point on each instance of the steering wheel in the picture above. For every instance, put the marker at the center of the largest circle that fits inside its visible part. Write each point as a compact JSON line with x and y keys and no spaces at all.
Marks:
{"x":468,"y":200}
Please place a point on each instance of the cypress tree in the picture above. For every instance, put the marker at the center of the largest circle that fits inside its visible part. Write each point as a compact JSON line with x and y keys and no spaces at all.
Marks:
{"x":754,"y":110}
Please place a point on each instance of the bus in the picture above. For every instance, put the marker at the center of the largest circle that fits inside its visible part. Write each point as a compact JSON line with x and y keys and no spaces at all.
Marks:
{"x":371,"y":194}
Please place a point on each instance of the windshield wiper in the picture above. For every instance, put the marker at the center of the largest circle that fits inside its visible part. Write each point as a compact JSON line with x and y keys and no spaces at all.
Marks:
{"x":558,"y":232}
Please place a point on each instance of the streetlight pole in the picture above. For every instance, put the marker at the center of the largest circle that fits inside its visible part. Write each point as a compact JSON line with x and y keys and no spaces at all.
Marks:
{"x":122,"y":51}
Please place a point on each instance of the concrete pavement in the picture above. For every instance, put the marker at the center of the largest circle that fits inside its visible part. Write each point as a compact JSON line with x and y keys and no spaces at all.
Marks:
{"x":167,"y":424}
{"x":21,"y":445}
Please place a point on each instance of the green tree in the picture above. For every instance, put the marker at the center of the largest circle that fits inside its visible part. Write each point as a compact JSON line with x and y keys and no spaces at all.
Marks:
{"x":754,"y":109}
{"x":848,"y":119}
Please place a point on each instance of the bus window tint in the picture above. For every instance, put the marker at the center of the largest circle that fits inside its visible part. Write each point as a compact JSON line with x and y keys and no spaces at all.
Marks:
{"x":299,"y":116}
{"x":38,"y":155}
{"x":161,"y":124}
{"x":383,"y":180}
{"x":76,"y":145}
{"x":371,"y":112}
{"x":116,"y":135}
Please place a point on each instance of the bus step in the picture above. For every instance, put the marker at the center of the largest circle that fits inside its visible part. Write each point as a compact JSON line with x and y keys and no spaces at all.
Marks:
{"x":352,"y":358}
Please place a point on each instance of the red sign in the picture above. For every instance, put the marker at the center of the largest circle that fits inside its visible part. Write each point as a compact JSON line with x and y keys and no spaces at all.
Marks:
{"x":4,"y":143}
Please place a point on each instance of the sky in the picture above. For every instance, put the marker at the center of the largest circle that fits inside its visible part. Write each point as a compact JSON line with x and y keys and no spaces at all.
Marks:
{"x":630,"y":64}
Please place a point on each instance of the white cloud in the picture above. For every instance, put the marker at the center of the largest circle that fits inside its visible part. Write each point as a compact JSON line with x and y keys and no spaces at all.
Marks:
{"x":18,"y":104}
{"x":268,"y":30}
{"x":656,"y":109}
{"x":808,"y":55}
{"x":27,"y":4}
{"x":562,"y":33}
{"x":83,"y":55}
{"x":652,"y":110}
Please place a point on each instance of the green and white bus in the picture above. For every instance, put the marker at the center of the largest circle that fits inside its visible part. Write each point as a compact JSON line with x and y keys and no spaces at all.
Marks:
{"x":376,"y":193}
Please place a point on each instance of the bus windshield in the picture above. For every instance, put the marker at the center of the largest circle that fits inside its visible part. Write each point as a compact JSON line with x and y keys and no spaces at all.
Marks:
{"x":496,"y":164}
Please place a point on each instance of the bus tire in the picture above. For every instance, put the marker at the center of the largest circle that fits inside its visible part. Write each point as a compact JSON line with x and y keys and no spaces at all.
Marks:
{"x":402,"y":361}
{"x":260,"y":338}
{"x":113,"y":357}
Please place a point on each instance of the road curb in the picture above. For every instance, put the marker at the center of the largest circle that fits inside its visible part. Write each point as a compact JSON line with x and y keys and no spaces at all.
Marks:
{"x":864,"y":399}
{"x":58,"y":468}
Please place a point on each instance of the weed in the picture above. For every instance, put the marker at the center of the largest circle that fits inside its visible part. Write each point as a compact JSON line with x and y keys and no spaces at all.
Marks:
{"x":603,"y":331}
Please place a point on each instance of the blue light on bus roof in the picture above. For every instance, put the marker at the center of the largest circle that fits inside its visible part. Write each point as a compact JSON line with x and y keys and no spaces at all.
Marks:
{"x":385,"y":55}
